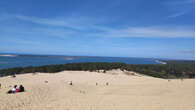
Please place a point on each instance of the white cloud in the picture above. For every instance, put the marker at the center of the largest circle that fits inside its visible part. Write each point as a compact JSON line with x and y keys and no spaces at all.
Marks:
{"x":180,"y":2}
{"x":174,"y":15}
{"x":92,"y":28}
{"x":74,"y":22}
{"x":45,"y":21}
{"x":150,"y":32}
{"x":180,"y":7}
{"x":189,"y":1}
{"x":186,"y":2}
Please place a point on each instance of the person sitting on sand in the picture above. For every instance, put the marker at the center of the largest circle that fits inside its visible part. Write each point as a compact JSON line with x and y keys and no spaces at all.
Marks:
{"x":70,"y":83}
{"x":14,"y":89}
{"x":17,"y":90}
{"x":21,"y":88}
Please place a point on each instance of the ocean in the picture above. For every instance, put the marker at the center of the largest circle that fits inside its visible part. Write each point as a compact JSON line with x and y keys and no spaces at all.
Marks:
{"x":11,"y":61}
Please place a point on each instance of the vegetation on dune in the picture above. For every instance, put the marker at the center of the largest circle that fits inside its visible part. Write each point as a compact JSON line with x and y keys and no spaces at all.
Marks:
{"x":170,"y":70}
{"x":165,"y":71}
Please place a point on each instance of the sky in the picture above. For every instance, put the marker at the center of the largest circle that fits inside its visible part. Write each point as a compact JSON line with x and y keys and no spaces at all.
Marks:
{"x":117,"y":28}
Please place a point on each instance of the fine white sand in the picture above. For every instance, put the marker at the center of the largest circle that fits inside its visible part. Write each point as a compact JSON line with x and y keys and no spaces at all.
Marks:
{"x":133,"y":92}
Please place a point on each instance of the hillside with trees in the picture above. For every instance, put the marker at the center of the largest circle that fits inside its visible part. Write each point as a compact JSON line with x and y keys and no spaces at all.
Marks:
{"x":173,"y":69}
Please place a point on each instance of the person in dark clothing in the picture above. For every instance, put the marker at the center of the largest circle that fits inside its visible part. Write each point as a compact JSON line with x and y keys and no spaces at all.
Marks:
{"x":21,"y":88}
{"x":70,"y":83}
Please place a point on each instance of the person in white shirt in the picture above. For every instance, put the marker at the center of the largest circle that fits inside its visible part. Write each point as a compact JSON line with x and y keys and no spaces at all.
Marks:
{"x":70,"y":83}
{"x":14,"y":89}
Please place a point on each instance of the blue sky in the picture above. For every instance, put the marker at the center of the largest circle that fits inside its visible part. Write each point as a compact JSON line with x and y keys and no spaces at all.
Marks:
{"x":123,"y":28}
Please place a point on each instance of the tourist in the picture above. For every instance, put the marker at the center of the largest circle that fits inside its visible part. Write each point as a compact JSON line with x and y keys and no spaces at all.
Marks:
{"x":14,"y":89}
{"x":70,"y":83}
{"x":17,"y":90}
{"x":21,"y":88}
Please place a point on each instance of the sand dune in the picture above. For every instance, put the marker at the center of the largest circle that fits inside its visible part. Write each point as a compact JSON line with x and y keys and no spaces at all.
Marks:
{"x":133,"y":92}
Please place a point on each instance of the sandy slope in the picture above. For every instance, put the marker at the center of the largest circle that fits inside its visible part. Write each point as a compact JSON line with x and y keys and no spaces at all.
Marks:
{"x":123,"y":93}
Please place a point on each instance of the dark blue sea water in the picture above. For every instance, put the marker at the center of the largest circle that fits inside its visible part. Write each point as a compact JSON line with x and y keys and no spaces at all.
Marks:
{"x":36,"y":60}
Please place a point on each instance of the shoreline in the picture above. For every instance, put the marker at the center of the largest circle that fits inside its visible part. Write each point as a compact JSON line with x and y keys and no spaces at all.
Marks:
{"x":162,"y":62}
{"x":7,"y":55}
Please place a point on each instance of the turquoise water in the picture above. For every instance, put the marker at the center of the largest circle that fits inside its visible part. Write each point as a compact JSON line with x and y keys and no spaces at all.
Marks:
{"x":35,"y":60}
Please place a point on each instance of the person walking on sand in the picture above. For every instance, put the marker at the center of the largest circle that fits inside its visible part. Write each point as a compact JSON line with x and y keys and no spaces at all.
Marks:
{"x":0,"y":85}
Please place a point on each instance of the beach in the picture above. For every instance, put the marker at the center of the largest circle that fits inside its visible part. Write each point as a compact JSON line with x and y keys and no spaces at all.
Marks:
{"x":51,"y":91}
